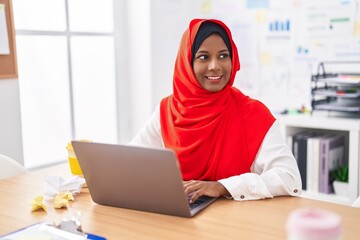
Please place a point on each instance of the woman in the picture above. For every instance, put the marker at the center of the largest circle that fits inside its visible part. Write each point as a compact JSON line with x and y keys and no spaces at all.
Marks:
{"x":226,"y":143}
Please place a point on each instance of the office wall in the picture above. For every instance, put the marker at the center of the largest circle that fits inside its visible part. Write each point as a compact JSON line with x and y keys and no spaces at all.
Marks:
{"x":169,"y":19}
{"x":138,"y":63}
{"x":280,"y":42}
{"x":10,"y":123}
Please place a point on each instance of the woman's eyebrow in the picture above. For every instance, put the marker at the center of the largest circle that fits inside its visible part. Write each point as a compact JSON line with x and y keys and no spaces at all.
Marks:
{"x":204,"y":51}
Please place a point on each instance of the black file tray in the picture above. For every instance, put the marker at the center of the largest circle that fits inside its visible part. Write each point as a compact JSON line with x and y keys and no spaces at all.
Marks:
{"x":337,"y":88}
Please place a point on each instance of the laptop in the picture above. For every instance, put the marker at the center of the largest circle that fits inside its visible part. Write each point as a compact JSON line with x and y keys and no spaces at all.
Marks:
{"x":137,"y":178}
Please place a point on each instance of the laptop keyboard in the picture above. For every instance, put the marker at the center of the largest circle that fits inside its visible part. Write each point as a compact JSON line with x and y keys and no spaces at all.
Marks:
{"x":199,"y":201}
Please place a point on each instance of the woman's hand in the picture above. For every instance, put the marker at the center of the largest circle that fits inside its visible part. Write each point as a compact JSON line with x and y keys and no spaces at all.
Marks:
{"x":196,"y":189}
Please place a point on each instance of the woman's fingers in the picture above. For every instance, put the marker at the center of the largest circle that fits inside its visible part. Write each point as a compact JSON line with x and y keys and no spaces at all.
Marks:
{"x":193,"y":189}
{"x":196,"y":189}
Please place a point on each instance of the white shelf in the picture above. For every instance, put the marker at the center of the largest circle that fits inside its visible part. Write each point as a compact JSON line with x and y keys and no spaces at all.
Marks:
{"x":350,"y":127}
{"x":327,"y":197}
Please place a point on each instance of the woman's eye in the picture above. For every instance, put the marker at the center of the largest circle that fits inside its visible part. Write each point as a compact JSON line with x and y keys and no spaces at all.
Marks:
{"x":202,"y":57}
{"x":225,"y":55}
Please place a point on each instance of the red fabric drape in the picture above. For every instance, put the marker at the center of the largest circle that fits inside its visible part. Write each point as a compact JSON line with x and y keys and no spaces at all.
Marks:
{"x":215,"y":134}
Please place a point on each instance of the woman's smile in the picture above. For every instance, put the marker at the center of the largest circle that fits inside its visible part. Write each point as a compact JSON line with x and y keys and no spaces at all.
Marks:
{"x":214,"y":78}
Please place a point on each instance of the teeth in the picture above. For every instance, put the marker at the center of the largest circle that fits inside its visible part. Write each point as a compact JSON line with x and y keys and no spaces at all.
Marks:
{"x":213,"y":78}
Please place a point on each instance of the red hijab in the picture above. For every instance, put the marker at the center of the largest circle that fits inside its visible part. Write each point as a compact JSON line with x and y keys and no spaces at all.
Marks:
{"x":216,"y":135}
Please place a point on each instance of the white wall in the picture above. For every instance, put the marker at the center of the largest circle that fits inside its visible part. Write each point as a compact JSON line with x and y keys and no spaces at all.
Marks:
{"x":139,"y":63}
{"x":10,"y":120}
{"x":169,"y":19}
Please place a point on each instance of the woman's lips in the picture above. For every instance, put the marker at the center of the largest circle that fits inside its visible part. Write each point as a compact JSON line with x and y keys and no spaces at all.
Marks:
{"x":214,"y":78}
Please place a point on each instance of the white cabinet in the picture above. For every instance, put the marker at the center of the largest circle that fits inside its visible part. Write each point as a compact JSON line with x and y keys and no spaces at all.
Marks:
{"x":292,"y":124}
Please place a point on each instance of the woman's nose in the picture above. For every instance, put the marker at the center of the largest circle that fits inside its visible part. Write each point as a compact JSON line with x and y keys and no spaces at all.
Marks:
{"x":214,"y":64}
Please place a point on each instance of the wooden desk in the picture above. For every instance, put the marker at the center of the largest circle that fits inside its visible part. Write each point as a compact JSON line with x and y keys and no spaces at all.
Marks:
{"x":224,"y":219}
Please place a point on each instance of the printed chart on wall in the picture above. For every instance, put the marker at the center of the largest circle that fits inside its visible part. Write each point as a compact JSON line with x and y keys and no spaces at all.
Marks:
{"x":281,"y":42}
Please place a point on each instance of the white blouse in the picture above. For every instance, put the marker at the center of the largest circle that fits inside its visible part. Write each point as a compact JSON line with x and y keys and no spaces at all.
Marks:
{"x":274,"y":171}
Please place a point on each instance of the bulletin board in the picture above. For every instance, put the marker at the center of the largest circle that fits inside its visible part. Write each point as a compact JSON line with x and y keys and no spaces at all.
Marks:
{"x":8,"y":63}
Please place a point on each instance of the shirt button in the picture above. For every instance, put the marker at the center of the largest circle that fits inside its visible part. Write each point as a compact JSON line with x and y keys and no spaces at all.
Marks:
{"x":242,"y":196}
{"x":295,"y":190}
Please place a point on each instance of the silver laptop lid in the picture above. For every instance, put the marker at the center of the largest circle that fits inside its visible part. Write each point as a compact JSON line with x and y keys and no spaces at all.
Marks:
{"x":133,"y":177}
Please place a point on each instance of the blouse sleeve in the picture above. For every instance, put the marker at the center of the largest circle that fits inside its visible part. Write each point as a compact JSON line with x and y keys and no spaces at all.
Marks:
{"x":273,"y":173}
{"x":150,"y":134}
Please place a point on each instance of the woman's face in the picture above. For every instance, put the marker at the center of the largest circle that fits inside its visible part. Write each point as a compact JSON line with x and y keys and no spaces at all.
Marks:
{"x":212,"y":64}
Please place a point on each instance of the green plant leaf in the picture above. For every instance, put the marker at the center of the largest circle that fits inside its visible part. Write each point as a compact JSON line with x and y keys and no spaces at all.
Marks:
{"x":340,"y":174}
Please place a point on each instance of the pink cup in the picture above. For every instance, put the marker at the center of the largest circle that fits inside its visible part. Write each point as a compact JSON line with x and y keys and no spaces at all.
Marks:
{"x":313,"y":224}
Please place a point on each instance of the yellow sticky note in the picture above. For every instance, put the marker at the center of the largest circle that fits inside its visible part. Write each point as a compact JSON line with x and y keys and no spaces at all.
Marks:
{"x":260,"y":17}
{"x":66,"y":195}
{"x":356,"y":30}
{"x":60,"y":203}
{"x":266,"y":58}
{"x":38,"y":204}
{"x":206,"y":7}
{"x":61,"y":200}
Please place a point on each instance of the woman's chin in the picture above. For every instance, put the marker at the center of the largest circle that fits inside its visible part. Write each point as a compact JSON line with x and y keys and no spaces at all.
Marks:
{"x":214,"y":87}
